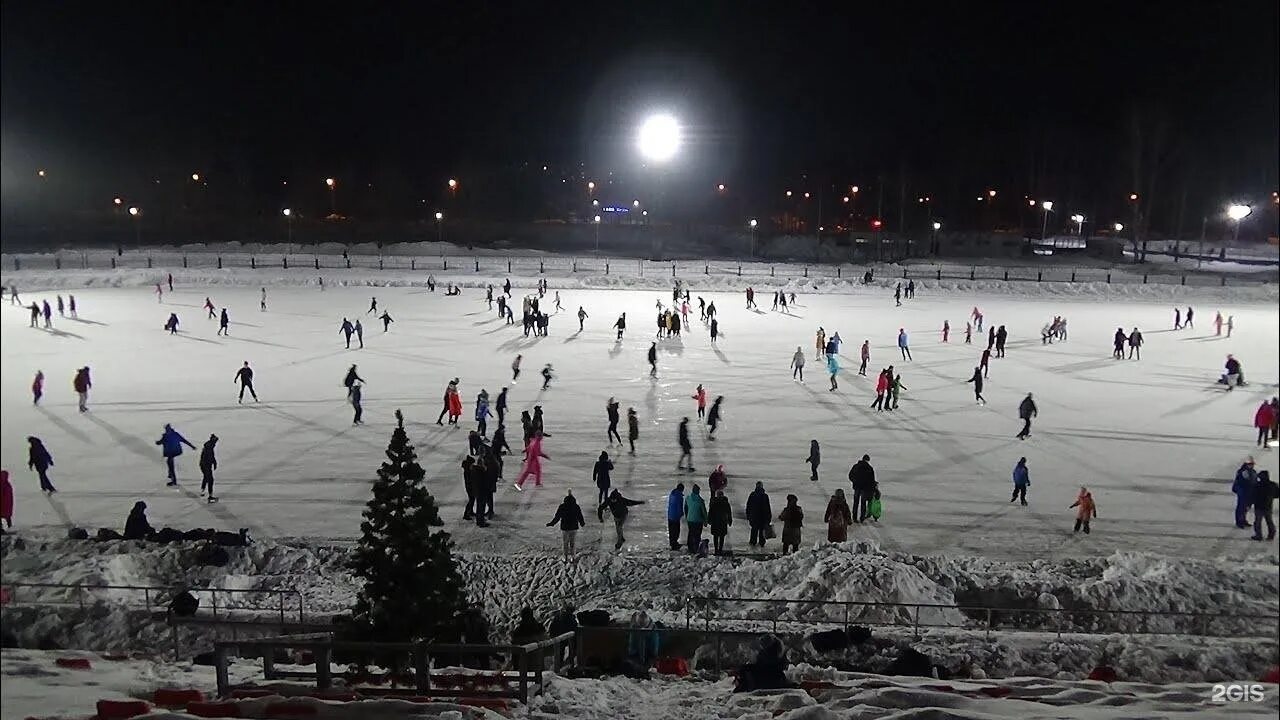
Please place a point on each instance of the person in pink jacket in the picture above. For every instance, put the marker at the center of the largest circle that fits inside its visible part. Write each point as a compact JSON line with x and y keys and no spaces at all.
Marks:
{"x":6,"y":499}
{"x":701,"y":396}
{"x":532,"y":462}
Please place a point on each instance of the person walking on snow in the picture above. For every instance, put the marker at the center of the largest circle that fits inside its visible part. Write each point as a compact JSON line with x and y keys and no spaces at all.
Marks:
{"x":633,"y":429}
{"x":700,"y":395}
{"x":833,"y":369}
{"x":1026,"y":411}
{"x":968,"y":333}
{"x":1021,"y":481}
{"x":546,"y":376}
{"x":359,"y":333}
{"x":1231,"y":324}
{"x":569,"y":515}
{"x":37,"y":388}
{"x":1217,"y":324}
{"x":347,"y":330}
{"x":1263,"y":419}
{"x":903,"y":344}
{"x":39,"y":460}
{"x":977,"y":386}
{"x":797,"y":365}
{"x":558,"y":307}
{"x":985,"y":363}
{"x":172,"y":324}
{"x":1001,"y":336}
{"x":533,"y":456}
{"x":244,"y":376}
{"x":814,"y":460}
{"x":515,"y":369}
{"x":357,"y":394}
{"x":350,"y":379}
{"x":621,"y":325}
{"x":719,"y":518}
{"x":759,"y":515}
{"x":48,"y":314}
{"x":1086,"y":510}
{"x":991,"y":337}
{"x":1190,"y":314}
{"x":224,"y":324}
{"x":820,"y":342}
{"x":71,"y":306}
{"x":946,"y":330}
{"x":82,"y":384}
{"x":1117,"y":350}
{"x":159,"y":293}
{"x":686,"y":447}
{"x":1135,"y":344}
{"x":865,"y":355}
{"x":385,"y":317}
{"x":208,"y":305}
{"x":611,"y":410}
{"x":482,"y":412}
{"x":675,"y":512}
{"x":713,"y":419}
{"x":61,"y":307}
{"x":208,"y":463}
{"x":837,"y":518}
{"x":1264,"y":496}
{"x":582,"y":315}
{"x":262,"y":305}
{"x":618,"y":508}
{"x":1242,"y":487}
{"x":502,"y":407}
{"x":171,"y":442}
{"x":373,"y":307}
{"x":653,"y":359}
{"x":897,"y":295}
{"x":715,"y":330}
{"x":600,"y":474}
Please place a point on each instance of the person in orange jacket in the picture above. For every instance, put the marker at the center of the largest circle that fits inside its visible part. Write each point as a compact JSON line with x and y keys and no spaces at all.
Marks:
{"x":1086,"y":510}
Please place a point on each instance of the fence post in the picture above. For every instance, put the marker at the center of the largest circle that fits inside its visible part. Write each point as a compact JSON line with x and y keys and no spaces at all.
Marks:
{"x":324,"y":673}
{"x":846,"y":618}
{"x":220,"y":666}
{"x":606,"y":267}
{"x":971,"y":273}
{"x":445,"y":258}
{"x":1144,"y":278}
{"x":17,"y":263}
{"x":148,"y":262}
{"x":113,"y":263}
{"x":184,"y":261}
{"x":1224,"y":281}
{"x":1184,"y":280}
{"x":284,"y":262}
{"x":348,"y":262}
{"x":838,"y":272}
{"x":508,"y":266}
{"x":706,"y":269}
{"x":739,"y":271}
{"x":939,"y":273}
{"x":213,"y":592}
{"x":806,"y":271}
{"x":269,"y":664}
{"x":421,"y":669}
{"x":146,"y":597}
{"x":1108,"y":278}
{"x":413,"y":264}
{"x":673,"y":269}
{"x":379,"y":262}
{"x":524,"y":677}
{"x":917,"y":622}
{"x":1006,"y":276}
{"x":988,"y":623}
{"x":1039,"y":275}
{"x":317,"y":261}
{"x":253,"y":262}
{"x":1073,"y":276}
{"x":80,"y":595}
{"x":770,"y":271}
{"x":477,"y":264}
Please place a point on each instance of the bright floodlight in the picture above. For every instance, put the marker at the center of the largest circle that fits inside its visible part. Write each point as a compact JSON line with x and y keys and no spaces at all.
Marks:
{"x":117,"y":201}
{"x":1118,"y":226}
{"x":453,"y":184}
{"x":635,"y":203}
{"x":1239,"y":212}
{"x":439,"y":216}
{"x":195,"y":177}
{"x":597,"y":218}
{"x":720,"y":187}
{"x":287,"y":212}
{"x":1077,"y":218}
{"x":329,"y":181}
{"x":659,"y":138}
{"x":134,"y":211}
{"x":41,"y":173}
{"x":991,"y":193}
{"x":1047,"y":205}
{"x":854,"y":189}
{"x":937,"y":226}
{"x":752,"y":222}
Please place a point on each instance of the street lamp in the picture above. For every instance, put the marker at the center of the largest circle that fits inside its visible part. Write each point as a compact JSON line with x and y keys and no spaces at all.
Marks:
{"x":635,"y":203}
{"x":991,"y":193}
{"x":934,"y":240}
{"x":788,"y":193}
{"x":117,"y":201}
{"x":453,"y":185}
{"x":195,"y":177}
{"x":720,"y":187}
{"x":591,"y":186}
{"x":40,"y":173}
{"x":439,"y":226}
{"x":752,"y":224}
{"x":137,"y":225}
{"x":597,"y":222}
{"x":333,"y":185}
{"x":1118,"y":227}
{"x":1044,"y":225}
{"x":659,"y":137}
{"x":1078,"y":219}
{"x":1238,"y":213}
{"x":288,"y":221}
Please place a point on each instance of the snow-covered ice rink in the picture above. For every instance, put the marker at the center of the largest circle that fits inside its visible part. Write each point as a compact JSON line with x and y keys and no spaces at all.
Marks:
{"x":1155,"y":440}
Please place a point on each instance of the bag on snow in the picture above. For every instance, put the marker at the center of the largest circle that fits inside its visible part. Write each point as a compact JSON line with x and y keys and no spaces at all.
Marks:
{"x":769,"y":532}
{"x":876,"y":509}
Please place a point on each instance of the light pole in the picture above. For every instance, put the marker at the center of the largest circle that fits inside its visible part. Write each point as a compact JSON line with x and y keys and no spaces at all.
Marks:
{"x":136,"y":213}
{"x":333,"y":202}
{"x":1044,"y":225}
{"x":934,"y":242}
{"x":752,"y":224}
{"x":1078,"y":219}
{"x":597,"y":222}
{"x":658,"y":140}
{"x":288,"y":221}
{"x":1237,"y":213}
{"x":439,"y":227}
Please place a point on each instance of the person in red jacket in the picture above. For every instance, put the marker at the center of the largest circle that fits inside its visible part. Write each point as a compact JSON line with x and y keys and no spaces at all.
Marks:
{"x":882,"y":386}
{"x":701,"y":396}
{"x":6,"y":499}
{"x":1263,"y":419}
{"x":82,"y":383}
{"x":37,"y":387}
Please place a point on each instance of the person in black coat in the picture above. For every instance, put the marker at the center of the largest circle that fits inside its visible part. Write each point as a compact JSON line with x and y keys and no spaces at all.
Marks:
{"x":39,"y":459}
{"x":1001,"y":336}
{"x":224,"y":324}
{"x":719,"y":518}
{"x":686,"y":447}
{"x":1264,"y":497}
{"x":863,"y":479}
{"x":1026,"y":410}
{"x":611,"y":409}
{"x":244,"y":376}
{"x":136,"y":526}
{"x":759,"y":514}
{"x":499,"y":441}
{"x":600,"y":473}
{"x":977,"y":385}
{"x":713,"y":418}
{"x":208,"y":463}
{"x":653,"y":359}
{"x":488,"y":473}
{"x":501,"y":406}
{"x":617,"y":506}
{"x":814,"y":459}
{"x":1117,"y":349}
{"x":569,"y":515}
{"x":351,"y":379}
{"x":472,"y":479}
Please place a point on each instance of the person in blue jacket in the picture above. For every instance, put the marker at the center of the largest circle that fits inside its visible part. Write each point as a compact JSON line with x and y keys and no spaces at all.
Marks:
{"x":1021,"y":481}
{"x":695,"y":513}
{"x":171,"y":443}
{"x":482,"y":412}
{"x":675,"y":511}
{"x":903,"y":344}
{"x":1246,"y":478}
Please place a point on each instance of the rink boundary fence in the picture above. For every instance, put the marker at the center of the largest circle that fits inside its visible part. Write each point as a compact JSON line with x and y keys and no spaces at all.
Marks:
{"x":1201,"y":624}
{"x":155,"y":597}
{"x":534,"y":265}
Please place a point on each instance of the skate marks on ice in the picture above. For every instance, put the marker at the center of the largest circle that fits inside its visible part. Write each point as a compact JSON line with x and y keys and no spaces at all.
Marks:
{"x":65,"y":426}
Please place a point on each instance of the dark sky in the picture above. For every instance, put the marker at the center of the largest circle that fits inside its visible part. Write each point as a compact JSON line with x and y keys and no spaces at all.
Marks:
{"x":956,"y":95}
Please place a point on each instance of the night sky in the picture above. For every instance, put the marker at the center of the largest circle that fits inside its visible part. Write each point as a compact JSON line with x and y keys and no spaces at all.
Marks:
{"x":955,"y":97}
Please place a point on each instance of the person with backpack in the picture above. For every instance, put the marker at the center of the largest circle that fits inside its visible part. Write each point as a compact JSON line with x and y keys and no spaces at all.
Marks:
{"x":618,"y":507}
{"x":1087,"y":510}
{"x":837,"y":518}
{"x":171,"y":442}
{"x":1021,"y":481}
{"x":719,"y":518}
{"x":792,"y":518}
{"x":569,"y":515}
{"x":695,"y":516}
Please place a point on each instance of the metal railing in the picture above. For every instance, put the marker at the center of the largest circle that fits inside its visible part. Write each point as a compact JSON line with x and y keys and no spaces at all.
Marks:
{"x":154,"y":597}
{"x":527,"y":662}
{"x":986,"y":618}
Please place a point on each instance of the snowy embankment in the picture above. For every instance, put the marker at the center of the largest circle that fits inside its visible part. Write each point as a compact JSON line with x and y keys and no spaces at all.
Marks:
{"x":850,"y":572}
{"x":35,"y":686}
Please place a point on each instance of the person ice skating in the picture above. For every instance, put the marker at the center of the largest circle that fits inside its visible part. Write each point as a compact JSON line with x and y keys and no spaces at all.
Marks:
{"x":6,"y":499}
{"x":136,"y":526}
{"x":792,"y":518}
{"x":172,"y":324}
{"x":454,"y":399}
{"x":686,"y":447}
{"x":1086,"y":510}
{"x":977,"y":385}
{"x":351,"y":378}
{"x":882,"y":388}
{"x":600,"y":474}
{"x":1263,"y":420}
{"x":357,"y":395}
{"x":895,"y":386}
{"x":911,"y":289}
{"x":208,"y":306}
{"x":897,"y":295}
{"x":1026,"y":411}
{"x":482,"y":412}
{"x":621,"y":325}
{"x":170,"y":282}
{"x":695,"y":516}
{"x":61,"y":307}
{"x":208,"y":463}
{"x":633,"y":429}
{"x":775,"y":300}
{"x":1021,"y":481}
{"x":373,"y":307}
{"x":499,"y":444}
{"x":618,"y":507}
{"x":719,"y":518}
{"x":903,"y":345}
{"x":451,"y":388}
{"x":224,"y":323}
{"x":782,"y":301}
{"x":797,"y":365}
{"x":1231,"y":324}
{"x":1117,"y":350}
{"x":814,"y":460}
{"x":700,"y":395}
{"x":582,"y":315}
{"x":386,"y":319}
{"x":611,"y":410}
{"x":159,"y":293}
{"x":675,"y":513}
{"x":713,"y":419}
{"x":1002,"y":336}
{"x":262,"y":304}
{"x":1190,"y":314}
{"x":862,"y":479}
{"x":546,"y":376}
{"x":558,"y":306}
{"x":833,"y":369}
{"x":751,"y":298}
{"x":244,"y":376}
{"x":569,"y":515}
{"x":37,"y":387}
{"x":347,"y":330}
{"x":759,"y":515}
{"x":360,"y":333}
{"x":820,"y":343}
{"x":506,"y":287}
{"x":171,"y":442}
{"x":1135,"y":344}
{"x":13,"y":295}
{"x":653,"y":359}
{"x":82,"y":383}
{"x":511,"y":316}
{"x":71,"y":306}
{"x":985,"y":363}
{"x":1217,"y":324}
{"x":39,"y":460}
{"x":946,"y":330}
{"x":48,"y":314}
{"x":501,"y":406}
{"x":715,"y":330}
{"x":533,"y":462}
{"x":1242,"y":488}
{"x":711,"y":310}
{"x":837,"y":518}
{"x":1264,"y":496}
{"x":488,"y":296}
{"x":1177,"y":318}
{"x":515,"y":369}
{"x":472,"y":479}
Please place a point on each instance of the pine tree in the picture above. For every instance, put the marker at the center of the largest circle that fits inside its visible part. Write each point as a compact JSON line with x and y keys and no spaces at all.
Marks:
{"x":411,"y":586}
